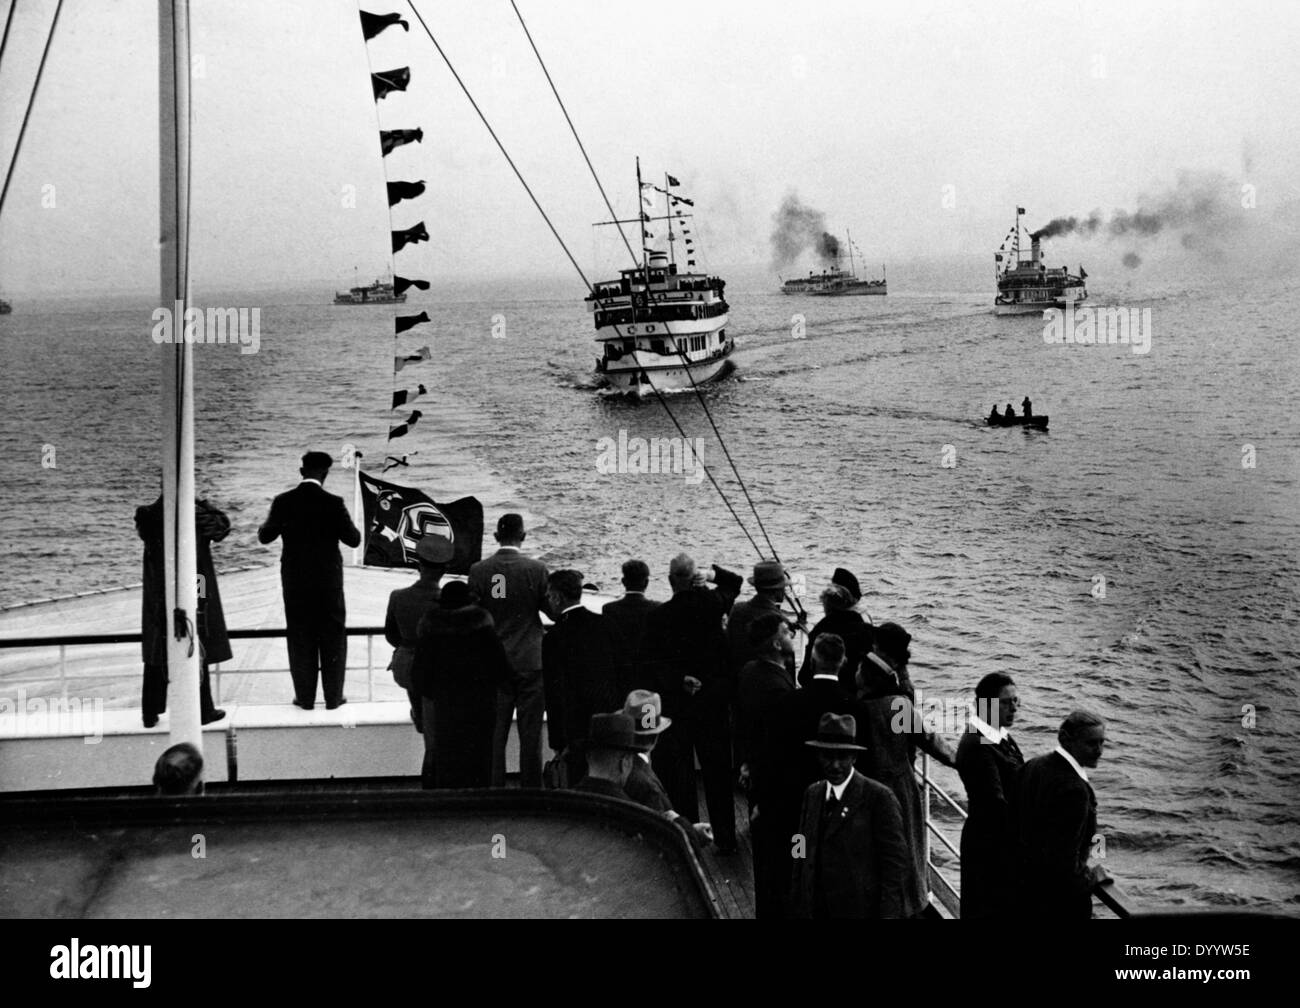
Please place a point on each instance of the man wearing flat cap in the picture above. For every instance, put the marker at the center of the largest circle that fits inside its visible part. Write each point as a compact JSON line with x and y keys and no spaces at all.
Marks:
{"x":849,"y":856}
{"x":406,"y":606}
{"x":312,"y":523}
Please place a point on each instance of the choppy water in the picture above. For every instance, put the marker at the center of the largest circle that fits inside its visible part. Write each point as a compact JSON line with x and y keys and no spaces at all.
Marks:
{"x":991,"y":562}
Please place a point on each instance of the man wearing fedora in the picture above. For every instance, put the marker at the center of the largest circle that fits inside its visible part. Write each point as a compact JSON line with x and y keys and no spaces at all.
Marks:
{"x":405,"y":608}
{"x":511,"y":586}
{"x":312,"y":523}
{"x":842,"y":617}
{"x":849,"y":854}
{"x":611,"y":750}
{"x":770,"y":582}
{"x":643,"y":785}
{"x":688,"y":648}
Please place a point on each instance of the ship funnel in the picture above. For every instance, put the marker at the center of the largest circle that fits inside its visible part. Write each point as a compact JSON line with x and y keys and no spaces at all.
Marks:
{"x":1036,"y":252}
{"x":658,"y":260}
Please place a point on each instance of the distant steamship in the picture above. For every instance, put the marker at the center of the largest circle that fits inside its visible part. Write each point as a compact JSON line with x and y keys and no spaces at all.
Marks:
{"x":836,"y":282}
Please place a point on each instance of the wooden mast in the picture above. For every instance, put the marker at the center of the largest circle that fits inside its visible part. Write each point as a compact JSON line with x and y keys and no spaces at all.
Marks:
{"x":181,"y":574}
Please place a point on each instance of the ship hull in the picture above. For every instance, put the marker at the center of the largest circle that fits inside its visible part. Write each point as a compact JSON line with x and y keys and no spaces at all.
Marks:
{"x":666,"y":378}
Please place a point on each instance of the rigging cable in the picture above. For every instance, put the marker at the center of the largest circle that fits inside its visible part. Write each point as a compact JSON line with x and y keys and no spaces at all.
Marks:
{"x":22,"y":130}
{"x":565,"y":249}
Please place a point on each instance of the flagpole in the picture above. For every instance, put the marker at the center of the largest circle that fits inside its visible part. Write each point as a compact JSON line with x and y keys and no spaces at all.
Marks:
{"x":358,"y":508}
{"x":177,"y":361}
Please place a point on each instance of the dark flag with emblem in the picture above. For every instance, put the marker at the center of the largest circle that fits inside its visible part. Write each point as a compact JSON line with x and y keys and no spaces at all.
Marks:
{"x":397,"y":517}
{"x":672,"y":180}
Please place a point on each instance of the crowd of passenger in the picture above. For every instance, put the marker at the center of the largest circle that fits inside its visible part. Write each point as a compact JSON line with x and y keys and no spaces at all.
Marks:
{"x":636,"y":695}
{"x":821,"y":746}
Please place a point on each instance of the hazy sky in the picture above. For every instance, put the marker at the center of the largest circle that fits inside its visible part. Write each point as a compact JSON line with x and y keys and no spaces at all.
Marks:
{"x":867,"y":110}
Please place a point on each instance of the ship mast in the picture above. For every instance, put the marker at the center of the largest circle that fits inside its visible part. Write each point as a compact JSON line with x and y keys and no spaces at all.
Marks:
{"x":849,"y":239}
{"x":668,"y":212}
{"x":177,"y":362}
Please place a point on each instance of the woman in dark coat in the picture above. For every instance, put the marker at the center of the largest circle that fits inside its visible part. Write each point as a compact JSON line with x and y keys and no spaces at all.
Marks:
{"x":843,"y":620}
{"x":459,"y":662}
{"x":989,"y":762}
{"x":896,"y":731}
{"x":210,"y":525}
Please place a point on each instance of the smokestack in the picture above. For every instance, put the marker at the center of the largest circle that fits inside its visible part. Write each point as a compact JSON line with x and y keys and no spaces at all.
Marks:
{"x":1036,"y":250}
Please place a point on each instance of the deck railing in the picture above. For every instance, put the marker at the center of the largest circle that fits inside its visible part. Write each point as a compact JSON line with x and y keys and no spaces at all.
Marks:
{"x":944,"y":892}
{"x":65,"y":641}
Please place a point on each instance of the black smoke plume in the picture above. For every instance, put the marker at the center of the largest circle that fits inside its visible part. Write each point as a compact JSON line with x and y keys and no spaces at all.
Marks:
{"x":1201,"y":206}
{"x":798,"y":228}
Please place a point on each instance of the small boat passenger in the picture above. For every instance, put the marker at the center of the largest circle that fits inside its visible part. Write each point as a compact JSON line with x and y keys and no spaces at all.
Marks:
{"x":1027,"y":407}
{"x":995,"y":416}
{"x":1010,"y":412}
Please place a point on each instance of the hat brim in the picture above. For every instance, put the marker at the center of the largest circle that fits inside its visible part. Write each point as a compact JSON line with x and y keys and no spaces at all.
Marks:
{"x":849,"y":746}
{"x":784,"y":583}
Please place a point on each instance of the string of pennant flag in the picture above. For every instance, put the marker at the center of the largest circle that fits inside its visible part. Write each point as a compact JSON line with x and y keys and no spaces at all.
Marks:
{"x":383,"y":83}
{"x":396,"y":518}
{"x":673,"y":201}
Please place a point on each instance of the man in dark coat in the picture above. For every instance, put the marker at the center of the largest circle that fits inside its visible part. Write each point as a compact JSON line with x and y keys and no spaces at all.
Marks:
{"x":764,"y":681}
{"x":578,"y":670}
{"x":511,"y":586}
{"x":770,"y":582}
{"x":840,"y":601}
{"x":312,"y":523}
{"x":854,"y":856}
{"x":611,"y":751}
{"x":989,"y":763}
{"x":686,"y":643}
{"x":1057,"y":816}
{"x":787,"y":764}
{"x":407,"y":606}
{"x":626,"y":618}
{"x":458,"y":665}
{"x":210,"y":525}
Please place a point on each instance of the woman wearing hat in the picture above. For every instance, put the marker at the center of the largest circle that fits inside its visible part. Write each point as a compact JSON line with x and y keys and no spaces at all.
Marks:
{"x":839,"y":602}
{"x":459,"y":662}
{"x":896,"y":731}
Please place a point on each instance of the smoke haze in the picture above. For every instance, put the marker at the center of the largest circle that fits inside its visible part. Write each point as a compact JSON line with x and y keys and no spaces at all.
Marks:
{"x":798,"y":228}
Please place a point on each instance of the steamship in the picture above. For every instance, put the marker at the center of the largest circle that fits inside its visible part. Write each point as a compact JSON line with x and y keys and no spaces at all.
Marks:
{"x":660,"y":329}
{"x":1027,"y":286}
{"x":379,"y":292}
{"x":836,"y":282}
